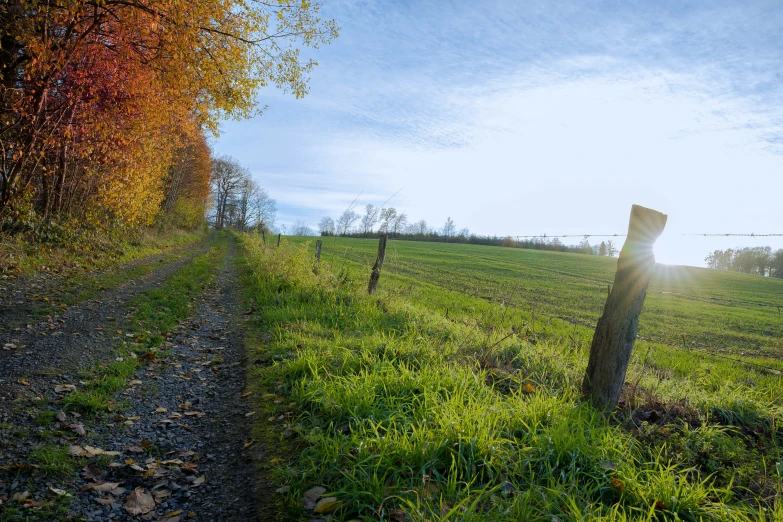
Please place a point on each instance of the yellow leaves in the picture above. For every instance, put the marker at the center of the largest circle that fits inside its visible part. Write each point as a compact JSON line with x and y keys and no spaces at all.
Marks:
{"x":528,"y":388}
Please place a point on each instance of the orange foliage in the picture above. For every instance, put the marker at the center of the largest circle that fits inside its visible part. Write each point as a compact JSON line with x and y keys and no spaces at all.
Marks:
{"x":104,"y":103}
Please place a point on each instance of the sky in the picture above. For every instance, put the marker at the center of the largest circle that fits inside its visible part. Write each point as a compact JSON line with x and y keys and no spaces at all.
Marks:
{"x":531,"y":117}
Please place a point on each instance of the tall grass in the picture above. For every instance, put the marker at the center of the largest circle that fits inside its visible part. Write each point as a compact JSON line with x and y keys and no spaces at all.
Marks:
{"x":407,"y":414}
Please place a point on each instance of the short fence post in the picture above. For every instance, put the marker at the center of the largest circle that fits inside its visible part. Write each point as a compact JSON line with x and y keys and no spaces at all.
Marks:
{"x":318,"y":250}
{"x":263,"y":236}
{"x":376,"y":268}
{"x":278,"y":238}
{"x":615,"y":333}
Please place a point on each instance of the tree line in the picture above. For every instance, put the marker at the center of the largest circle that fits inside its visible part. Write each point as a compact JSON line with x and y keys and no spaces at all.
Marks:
{"x":756,"y":260}
{"x":379,"y":220}
{"x":239,"y":202}
{"x":106,"y":106}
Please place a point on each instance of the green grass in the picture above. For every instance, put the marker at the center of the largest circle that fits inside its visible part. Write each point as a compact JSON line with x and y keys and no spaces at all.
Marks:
{"x":454,"y":393}
{"x":71,"y":250}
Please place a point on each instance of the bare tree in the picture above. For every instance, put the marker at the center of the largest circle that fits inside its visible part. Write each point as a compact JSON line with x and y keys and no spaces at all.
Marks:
{"x":346,"y":221}
{"x":369,"y":219}
{"x":449,"y":227}
{"x":420,"y":227}
{"x":227,"y":175}
{"x":301,"y":229}
{"x":399,"y":223}
{"x":387,"y":217}
{"x":326,"y":226}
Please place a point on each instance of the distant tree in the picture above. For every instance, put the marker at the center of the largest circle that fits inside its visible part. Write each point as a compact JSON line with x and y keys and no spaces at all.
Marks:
{"x":602,"y":249}
{"x":300,"y":228}
{"x":369,"y":219}
{"x":464,"y":233}
{"x":326,"y":226}
{"x":584,"y":246}
{"x":776,"y":265}
{"x":420,"y":227}
{"x":227,"y":176}
{"x":387,"y":217}
{"x":611,"y":250}
{"x":449,"y":227}
{"x":346,"y":221}
{"x":508,"y":241}
{"x":399,"y":223}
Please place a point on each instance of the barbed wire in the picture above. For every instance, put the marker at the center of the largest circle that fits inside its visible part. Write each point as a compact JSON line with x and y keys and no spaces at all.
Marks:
{"x":736,"y":235}
{"x":552,"y":236}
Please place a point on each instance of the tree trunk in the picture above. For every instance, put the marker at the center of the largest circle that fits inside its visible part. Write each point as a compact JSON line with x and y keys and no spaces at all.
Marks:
{"x":615,"y":333}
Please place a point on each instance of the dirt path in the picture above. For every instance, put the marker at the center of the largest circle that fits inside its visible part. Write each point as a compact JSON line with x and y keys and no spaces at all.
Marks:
{"x":77,"y":338}
{"x":181,"y":439}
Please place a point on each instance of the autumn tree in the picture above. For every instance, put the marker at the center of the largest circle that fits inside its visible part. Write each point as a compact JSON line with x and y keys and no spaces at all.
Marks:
{"x":101,"y":100}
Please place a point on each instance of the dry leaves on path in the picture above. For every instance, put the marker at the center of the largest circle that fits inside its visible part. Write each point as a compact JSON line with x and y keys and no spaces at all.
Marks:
{"x":139,"y":502}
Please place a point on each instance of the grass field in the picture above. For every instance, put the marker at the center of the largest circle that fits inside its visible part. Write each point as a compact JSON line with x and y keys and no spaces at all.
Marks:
{"x":453,"y":393}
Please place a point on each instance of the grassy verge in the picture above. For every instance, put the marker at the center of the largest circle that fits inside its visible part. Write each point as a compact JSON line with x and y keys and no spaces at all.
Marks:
{"x":70,"y":252}
{"x":428,"y":404}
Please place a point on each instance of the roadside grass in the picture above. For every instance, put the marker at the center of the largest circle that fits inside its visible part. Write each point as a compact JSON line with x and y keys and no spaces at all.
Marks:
{"x":428,"y":402}
{"x":155,"y":313}
{"x":67,"y":250}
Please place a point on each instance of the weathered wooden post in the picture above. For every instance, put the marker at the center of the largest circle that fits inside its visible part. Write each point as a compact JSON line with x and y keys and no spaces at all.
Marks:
{"x":615,"y":333}
{"x":318,"y":250}
{"x":376,"y":268}
{"x":278,"y":238}
{"x":263,"y":236}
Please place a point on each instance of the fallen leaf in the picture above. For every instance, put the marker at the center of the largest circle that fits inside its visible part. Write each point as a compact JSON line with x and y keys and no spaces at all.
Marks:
{"x":61,"y":416}
{"x":528,"y":388}
{"x":105,"y":501}
{"x":249,"y":443}
{"x":103,"y":487}
{"x":327,"y":505}
{"x":199,"y":481}
{"x":93,"y":451}
{"x":91,"y":471}
{"x":9,"y":346}
{"x":617,"y":483}
{"x":58,"y":492}
{"x":172,"y":514}
{"x":63,"y":388}
{"x":250,"y":414}
{"x":22,"y":382}
{"x":311,"y":497}
{"x":161,"y":409}
{"x":77,"y":428}
{"x":76,"y":451}
{"x":134,"y":382}
{"x":20,"y":497}
{"x":134,"y":449}
{"x":139,"y":502}
{"x":247,"y":394}
{"x":284,"y":489}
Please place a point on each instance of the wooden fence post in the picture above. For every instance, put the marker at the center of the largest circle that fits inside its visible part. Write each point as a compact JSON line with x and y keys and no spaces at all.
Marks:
{"x":263,"y":236}
{"x":615,"y":333}
{"x":376,"y":268}
{"x":318,"y":250}
{"x":278,"y":238}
